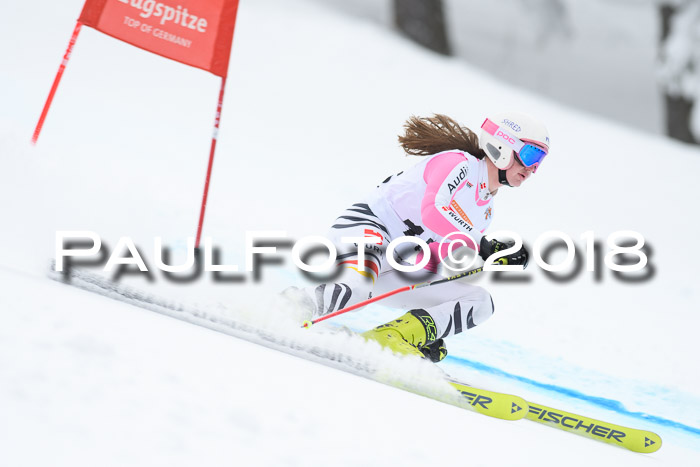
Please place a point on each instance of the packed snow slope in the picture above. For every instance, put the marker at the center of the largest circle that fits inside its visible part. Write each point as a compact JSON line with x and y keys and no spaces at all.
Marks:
{"x":313,"y":104}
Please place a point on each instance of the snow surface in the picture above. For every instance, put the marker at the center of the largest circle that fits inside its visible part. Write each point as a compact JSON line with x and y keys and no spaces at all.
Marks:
{"x":313,"y":105}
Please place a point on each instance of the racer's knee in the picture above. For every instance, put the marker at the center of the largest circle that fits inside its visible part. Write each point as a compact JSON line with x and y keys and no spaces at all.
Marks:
{"x":482,"y":302}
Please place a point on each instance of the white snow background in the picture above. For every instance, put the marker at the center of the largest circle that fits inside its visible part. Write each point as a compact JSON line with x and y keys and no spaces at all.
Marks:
{"x":313,"y":105}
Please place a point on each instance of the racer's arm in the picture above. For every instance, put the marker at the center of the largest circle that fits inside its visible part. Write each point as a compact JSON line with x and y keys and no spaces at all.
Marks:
{"x":436,"y":213}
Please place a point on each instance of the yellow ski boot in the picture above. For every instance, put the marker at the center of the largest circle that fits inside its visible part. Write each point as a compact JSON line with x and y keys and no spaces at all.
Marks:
{"x":406,"y":335}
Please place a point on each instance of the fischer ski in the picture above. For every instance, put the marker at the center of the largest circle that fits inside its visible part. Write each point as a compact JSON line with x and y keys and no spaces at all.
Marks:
{"x":490,"y":403}
{"x":633,"y":439}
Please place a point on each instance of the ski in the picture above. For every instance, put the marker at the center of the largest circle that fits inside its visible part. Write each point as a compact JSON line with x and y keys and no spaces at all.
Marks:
{"x":490,"y":403}
{"x":630,"y":438}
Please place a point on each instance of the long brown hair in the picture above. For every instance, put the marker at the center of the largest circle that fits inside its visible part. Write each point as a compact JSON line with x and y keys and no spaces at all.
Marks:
{"x":429,"y":135}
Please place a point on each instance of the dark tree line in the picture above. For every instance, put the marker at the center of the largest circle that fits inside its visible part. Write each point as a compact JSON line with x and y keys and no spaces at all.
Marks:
{"x":424,"y":22}
{"x":677,"y":67}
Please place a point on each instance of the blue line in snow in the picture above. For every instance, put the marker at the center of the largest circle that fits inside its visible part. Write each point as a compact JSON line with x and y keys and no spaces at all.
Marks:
{"x":610,"y":404}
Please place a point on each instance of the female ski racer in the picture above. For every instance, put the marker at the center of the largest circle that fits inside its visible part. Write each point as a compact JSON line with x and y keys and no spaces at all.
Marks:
{"x":446,"y":195}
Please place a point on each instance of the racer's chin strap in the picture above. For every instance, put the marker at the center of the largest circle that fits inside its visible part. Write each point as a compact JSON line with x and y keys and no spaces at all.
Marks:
{"x":502,"y":179}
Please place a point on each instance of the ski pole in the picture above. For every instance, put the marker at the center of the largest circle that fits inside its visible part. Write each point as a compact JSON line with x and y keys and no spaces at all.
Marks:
{"x":471,"y":272}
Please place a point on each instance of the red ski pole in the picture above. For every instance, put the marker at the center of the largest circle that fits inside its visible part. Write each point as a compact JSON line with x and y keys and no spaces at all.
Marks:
{"x":307,"y":324}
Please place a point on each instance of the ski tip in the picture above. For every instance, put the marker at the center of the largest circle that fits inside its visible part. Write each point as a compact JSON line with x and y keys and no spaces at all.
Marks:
{"x":648,"y":442}
{"x":519,"y":408}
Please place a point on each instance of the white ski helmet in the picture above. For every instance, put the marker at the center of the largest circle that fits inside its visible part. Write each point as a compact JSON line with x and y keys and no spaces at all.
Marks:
{"x":513,"y":133}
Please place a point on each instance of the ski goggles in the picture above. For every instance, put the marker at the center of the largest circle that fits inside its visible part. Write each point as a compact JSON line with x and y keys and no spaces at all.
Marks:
{"x":529,"y":153}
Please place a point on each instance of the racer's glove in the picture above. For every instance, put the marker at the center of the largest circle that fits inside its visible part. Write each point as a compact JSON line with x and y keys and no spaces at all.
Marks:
{"x":489,"y":247}
{"x":435,"y":351}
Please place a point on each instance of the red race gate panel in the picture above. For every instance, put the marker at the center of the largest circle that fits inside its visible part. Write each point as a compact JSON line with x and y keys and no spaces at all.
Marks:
{"x":194,"y":32}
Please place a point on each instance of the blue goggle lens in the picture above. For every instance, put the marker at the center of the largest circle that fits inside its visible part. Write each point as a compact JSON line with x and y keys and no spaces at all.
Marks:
{"x":530,"y":155}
